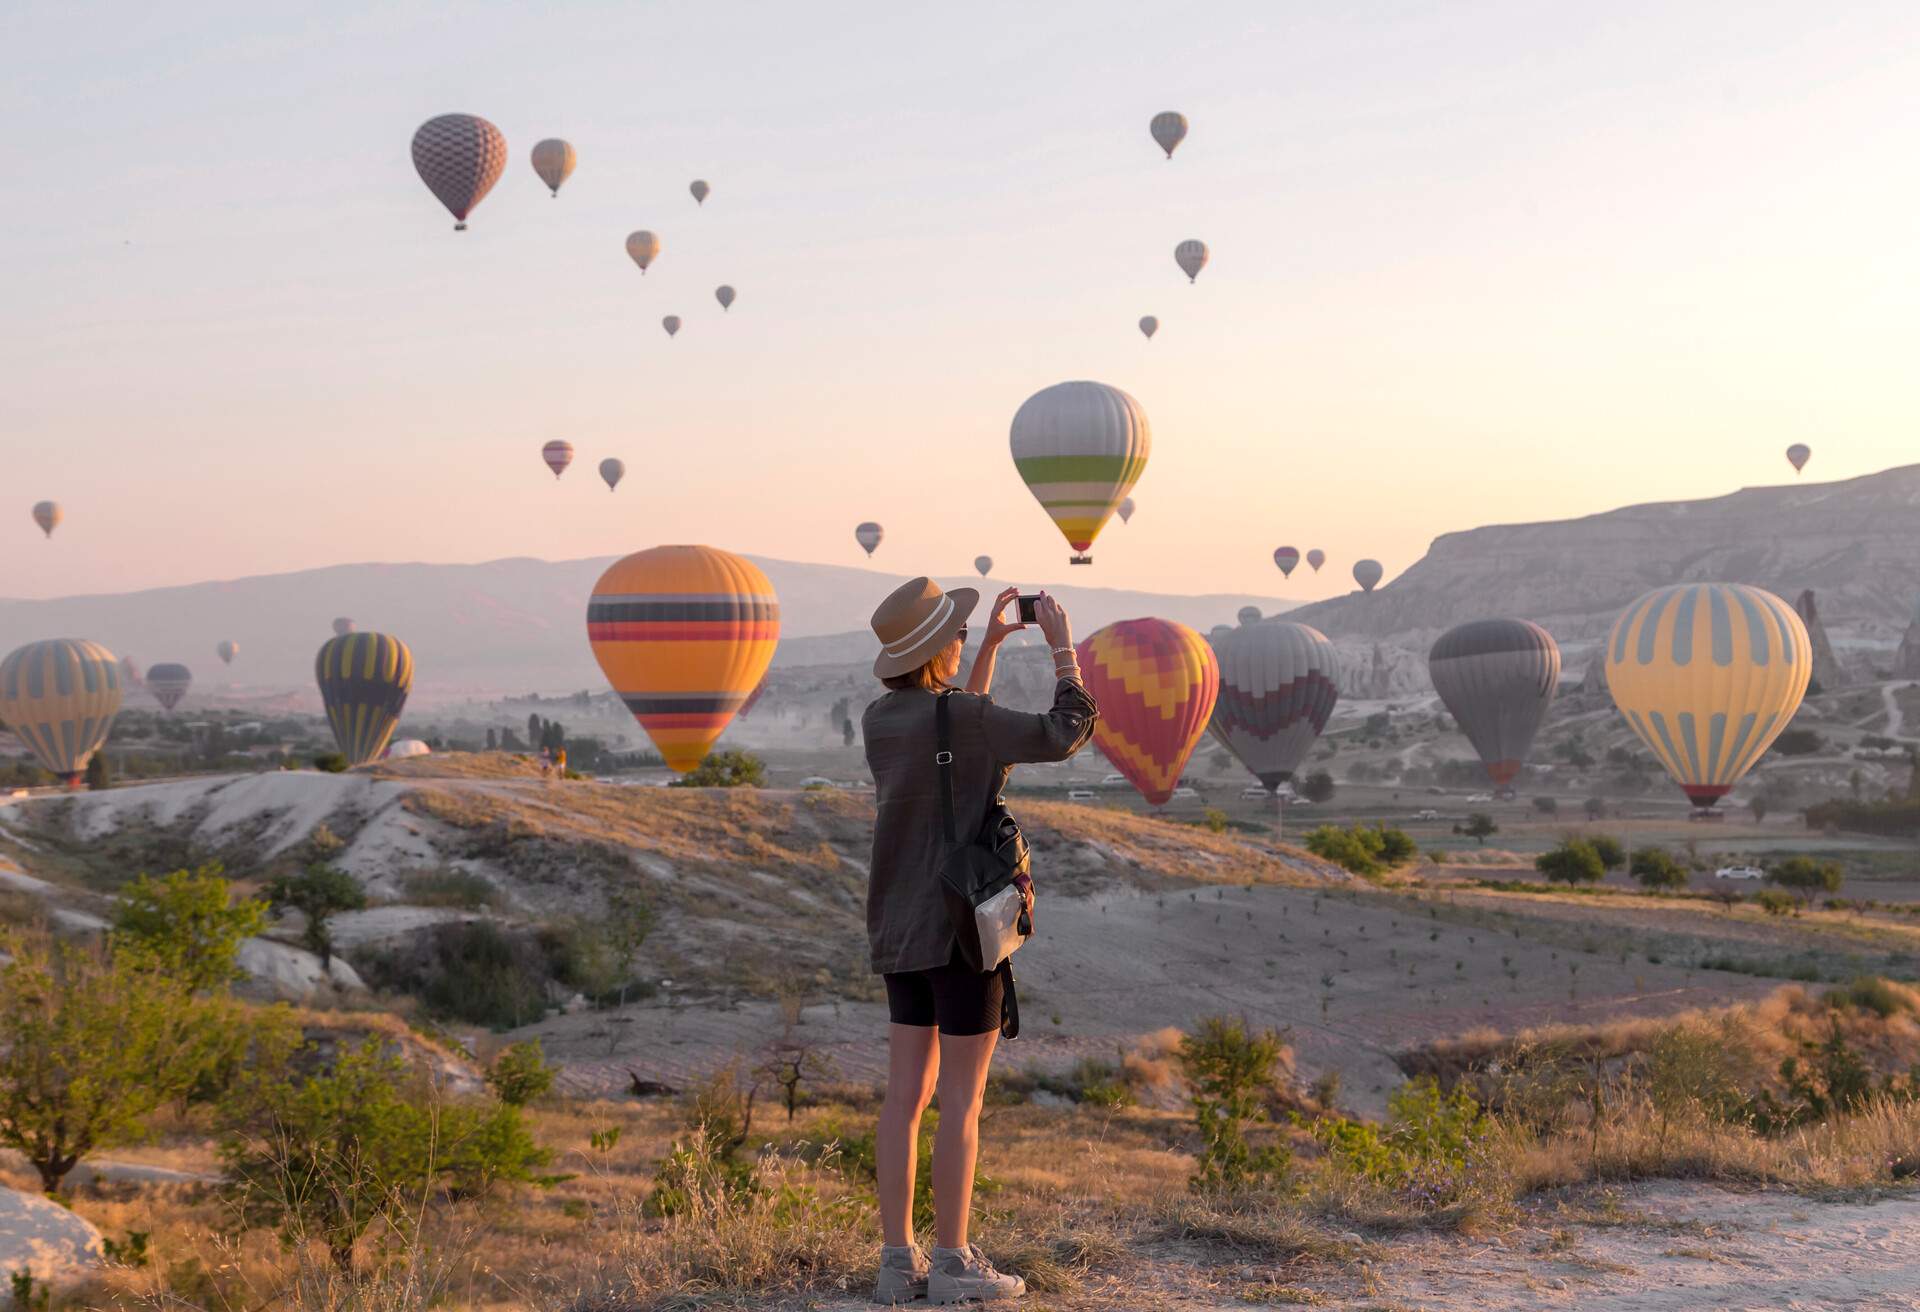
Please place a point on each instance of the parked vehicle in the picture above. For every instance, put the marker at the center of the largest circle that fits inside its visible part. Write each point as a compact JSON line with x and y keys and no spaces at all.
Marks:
{"x":1739,"y":872}
{"x":1254,"y":793}
{"x":1080,"y":795}
{"x":1428,"y":814}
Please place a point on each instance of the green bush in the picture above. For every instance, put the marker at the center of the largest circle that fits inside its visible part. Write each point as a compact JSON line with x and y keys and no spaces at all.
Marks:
{"x":1654,"y":868}
{"x":520,"y":1074}
{"x":1363,"y":849}
{"x":1611,"y":854}
{"x":1798,"y":742}
{"x":1425,"y":1150}
{"x":1547,"y":805}
{"x":1804,"y":877}
{"x":451,"y":887}
{"x":189,"y":922}
{"x":330,"y":763}
{"x":1573,"y":862}
{"x":318,"y":893}
{"x":1870,"y":993}
{"x":1773,"y":902}
{"x":725,"y":770}
{"x":1231,"y":1071}
{"x":1317,"y":787}
{"x":1216,"y":819}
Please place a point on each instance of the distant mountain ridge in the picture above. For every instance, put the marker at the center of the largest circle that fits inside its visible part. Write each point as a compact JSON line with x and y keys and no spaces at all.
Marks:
{"x":1856,"y":543}
{"x":510,"y":625}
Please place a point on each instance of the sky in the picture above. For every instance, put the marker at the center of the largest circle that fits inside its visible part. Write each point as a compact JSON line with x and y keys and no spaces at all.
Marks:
{"x":1471,"y":263}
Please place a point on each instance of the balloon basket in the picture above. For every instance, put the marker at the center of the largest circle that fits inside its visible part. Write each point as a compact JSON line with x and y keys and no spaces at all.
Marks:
{"x":1079,"y":560}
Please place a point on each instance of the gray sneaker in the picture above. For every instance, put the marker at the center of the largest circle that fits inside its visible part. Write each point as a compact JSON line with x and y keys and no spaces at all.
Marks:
{"x":963,"y":1274}
{"x":903,"y":1275}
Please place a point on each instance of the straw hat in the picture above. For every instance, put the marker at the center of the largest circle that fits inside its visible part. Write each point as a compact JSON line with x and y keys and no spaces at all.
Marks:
{"x":915,"y":621}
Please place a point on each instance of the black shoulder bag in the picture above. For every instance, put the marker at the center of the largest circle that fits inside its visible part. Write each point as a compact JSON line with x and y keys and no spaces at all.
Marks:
{"x":984,"y":881}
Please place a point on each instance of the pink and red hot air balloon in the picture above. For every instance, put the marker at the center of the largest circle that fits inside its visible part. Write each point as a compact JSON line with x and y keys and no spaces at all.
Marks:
{"x":1156,"y":682}
{"x":558,"y":456}
{"x":1288,"y":559}
{"x":1316,"y":558}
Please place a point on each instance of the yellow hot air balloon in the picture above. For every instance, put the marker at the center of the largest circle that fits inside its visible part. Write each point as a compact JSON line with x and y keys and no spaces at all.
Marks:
{"x":47,"y":514}
{"x":1708,"y":674}
{"x":59,"y":697}
{"x":1080,"y":447}
{"x":684,"y":635}
{"x":553,"y":160}
{"x":643,"y":248}
{"x":364,"y":680}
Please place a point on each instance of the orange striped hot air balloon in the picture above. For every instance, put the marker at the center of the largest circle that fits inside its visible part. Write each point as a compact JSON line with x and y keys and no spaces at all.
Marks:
{"x":684,"y":635}
{"x":1156,"y":682}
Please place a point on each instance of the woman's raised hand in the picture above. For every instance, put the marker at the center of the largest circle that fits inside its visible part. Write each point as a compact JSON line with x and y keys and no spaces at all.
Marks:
{"x":997,"y":627}
{"x":1052,"y":618}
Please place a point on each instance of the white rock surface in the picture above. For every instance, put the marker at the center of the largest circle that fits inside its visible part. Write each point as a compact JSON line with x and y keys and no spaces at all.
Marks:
{"x":293,"y":973}
{"x":45,"y":1238}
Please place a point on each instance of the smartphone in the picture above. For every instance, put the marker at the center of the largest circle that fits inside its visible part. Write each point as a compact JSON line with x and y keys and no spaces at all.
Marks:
{"x":1026,"y":603}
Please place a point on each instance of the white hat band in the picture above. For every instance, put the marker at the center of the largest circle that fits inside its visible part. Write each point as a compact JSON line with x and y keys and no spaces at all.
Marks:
{"x":922,"y":629}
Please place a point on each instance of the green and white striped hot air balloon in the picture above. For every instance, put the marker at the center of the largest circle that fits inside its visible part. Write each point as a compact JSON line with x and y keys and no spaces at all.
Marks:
{"x":1080,"y":447}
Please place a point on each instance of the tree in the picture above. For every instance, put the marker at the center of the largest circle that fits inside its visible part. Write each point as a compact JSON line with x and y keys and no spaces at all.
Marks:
{"x":725,"y":770}
{"x":533,"y":729}
{"x":630,"y":919}
{"x":1317,"y":787}
{"x":1773,"y":901}
{"x":1612,"y":856}
{"x":1655,"y":869}
{"x":1804,"y":877}
{"x":360,"y":1145}
{"x":95,"y":1039}
{"x":846,"y":732}
{"x":1231,"y":1071}
{"x":1596,"y":807}
{"x":493,"y":740}
{"x":99,"y":776}
{"x":318,"y":893}
{"x":1546,"y":805}
{"x":1573,"y":862}
{"x":1855,"y":782}
{"x":190,"y":923}
{"x":520,"y":1074}
{"x":1759,"y":807}
{"x":1798,"y":742}
{"x":1479,"y":827}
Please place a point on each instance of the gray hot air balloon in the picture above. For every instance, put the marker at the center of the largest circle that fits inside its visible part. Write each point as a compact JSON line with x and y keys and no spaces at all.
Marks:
{"x":169,"y":683}
{"x":700,"y":191}
{"x":1149,"y":326}
{"x":1248,"y":615}
{"x":226,"y":651}
{"x":984,"y":564}
{"x":1497,"y":678}
{"x":1125,"y":510}
{"x":724,"y":294}
{"x":672,"y":324}
{"x":1191,"y":256}
{"x":612,"y":471}
{"x":553,"y":160}
{"x":1798,"y":454}
{"x":1169,"y":129}
{"x":342,"y":626}
{"x":1277,"y":691}
{"x":1367,"y":573}
{"x":643,"y":248}
{"x":868,"y":536}
{"x":1316,"y":558}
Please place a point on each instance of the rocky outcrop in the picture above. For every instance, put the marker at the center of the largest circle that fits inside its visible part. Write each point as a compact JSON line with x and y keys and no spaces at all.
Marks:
{"x":42,"y":1237}
{"x":1906,"y":661}
{"x":1856,"y":542}
{"x":1827,"y":674}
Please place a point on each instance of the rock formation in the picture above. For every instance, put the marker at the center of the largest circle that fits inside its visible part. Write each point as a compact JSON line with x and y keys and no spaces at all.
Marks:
{"x":1906,"y":661}
{"x":1827,"y":674}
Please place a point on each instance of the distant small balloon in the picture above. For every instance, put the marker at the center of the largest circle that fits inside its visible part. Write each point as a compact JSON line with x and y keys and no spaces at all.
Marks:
{"x":1288,"y":559}
{"x":1248,"y":615}
{"x":1191,"y":256}
{"x":643,"y":248}
{"x":1125,"y":510}
{"x":342,"y":626}
{"x":1149,"y":326}
{"x":612,"y":471}
{"x":983,"y":565}
{"x":227,"y":651}
{"x":1169,"y":129}
{"x":1367,"y":573}
{"x":553,"y":160}
{"x":672,"y":324}
{"x":1798,"y":454}
{"x":169,"y":683}
{"x":47,"y":514}
{"x":724,"y":294}
{"x":700,"y":191}
{"x":1316,"y":558}
{"x":868,"y":536}
{"x":558,"y":455}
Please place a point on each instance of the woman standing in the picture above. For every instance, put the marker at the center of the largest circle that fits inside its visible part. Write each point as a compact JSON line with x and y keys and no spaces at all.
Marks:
{"x":945,"y":1016}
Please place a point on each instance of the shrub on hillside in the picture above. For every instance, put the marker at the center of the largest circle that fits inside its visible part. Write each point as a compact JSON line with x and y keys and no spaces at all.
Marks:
{"x":1231,"y":1070}
{"x":1574,"y":861}
{"x":1654,"y":868}
{"x":725,"y":770}
{"x":1611,"y":854}
{"x":1804,"y":877}
{"x":190,"y":923}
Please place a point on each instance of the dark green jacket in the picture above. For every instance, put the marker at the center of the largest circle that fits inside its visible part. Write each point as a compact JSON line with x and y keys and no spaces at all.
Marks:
{"x":907,"y":925}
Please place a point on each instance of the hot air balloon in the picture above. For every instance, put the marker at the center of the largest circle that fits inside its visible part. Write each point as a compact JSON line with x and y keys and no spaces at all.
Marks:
{"x":1156,"y":682}
{"x":1497,"y":679}
{"x":1798,"y":454}
{"x":1125,"y":510}
{"x":1149,"y":326}
{"x":1248,"y":615}
{"x":553,"y":160}
{"x":402,"y":748}
{"x":364,"y":679}
{"x":59,"y":698}
{"x":1191,"y":256}
{"x":1367,"y":573}
{"x":342,"y":626}
{"x":1169,"y":129}
{"x":700,"y":191}
{"x":129,"y":676}
{"x":1080,"y":447}
{"x":47,"y":514}
{"x":558,"y":455}
{"x":612,"y":471}
{"x":1277,"y":691}
{"x":724,"y":294}
{"x":868,"y":536}
{"x":227,"y":651}
{"x":1708,"y":674}
{"x":1288,"y":559}
{"x":169,"y":683}
{"x":671,"y":323}
{"x":1316,"y":558}
{"x":683,"y":635}
{"x":459,"y":157}
{"x":983,"y":565}
{"x":642,"y":248}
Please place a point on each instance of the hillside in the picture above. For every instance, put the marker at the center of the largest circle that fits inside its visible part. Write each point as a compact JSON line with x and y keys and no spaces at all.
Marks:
{"x":1856,"y":543}
{"x":500,"y":626}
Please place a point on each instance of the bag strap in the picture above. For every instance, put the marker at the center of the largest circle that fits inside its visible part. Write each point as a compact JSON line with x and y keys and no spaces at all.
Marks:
{"x":1009,"y":1002}
{"x":943,"y":758}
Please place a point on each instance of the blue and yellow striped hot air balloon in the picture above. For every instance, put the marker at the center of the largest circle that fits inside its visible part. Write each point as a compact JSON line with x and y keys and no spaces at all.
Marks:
{"x":59,"y":698}
{"x":1708,"y":674}
{"x":364,"y":680}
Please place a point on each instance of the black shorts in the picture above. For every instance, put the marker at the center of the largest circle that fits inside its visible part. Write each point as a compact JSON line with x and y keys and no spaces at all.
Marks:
{"x":957,"y":998}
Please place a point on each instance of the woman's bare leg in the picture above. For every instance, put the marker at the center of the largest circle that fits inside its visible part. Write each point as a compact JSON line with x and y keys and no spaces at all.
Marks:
{"x":912,"y":1063}
{"x":963,"y":1065}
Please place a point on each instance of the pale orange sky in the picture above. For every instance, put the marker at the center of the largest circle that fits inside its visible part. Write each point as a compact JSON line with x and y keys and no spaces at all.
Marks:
{"x":1490,"y":263}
